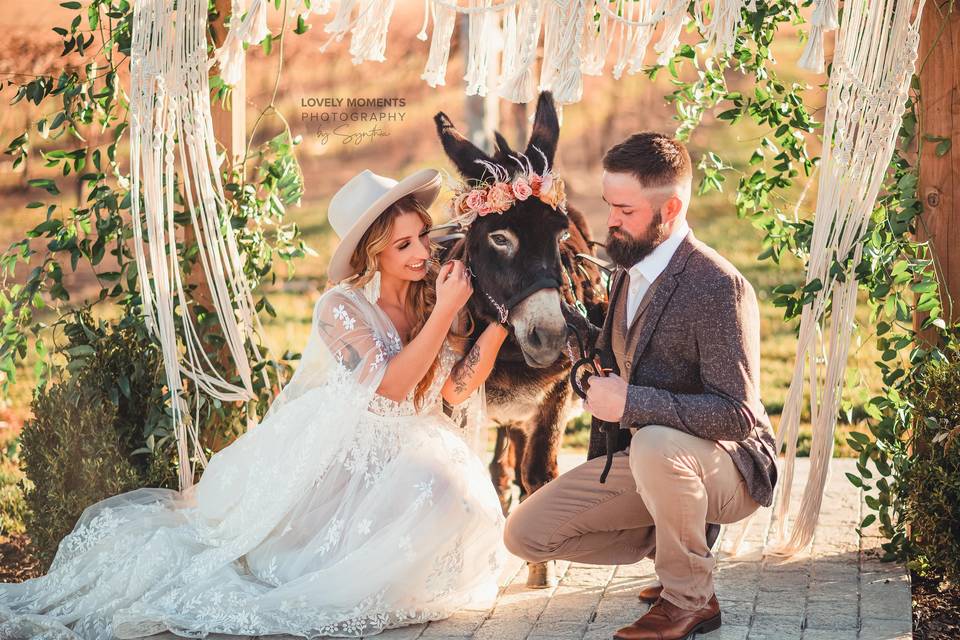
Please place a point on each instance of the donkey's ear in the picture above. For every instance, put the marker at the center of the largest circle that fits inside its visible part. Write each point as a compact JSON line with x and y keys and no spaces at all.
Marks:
{"x":503,"y":149}
{"x":546,"y":131}
{"x":461,"y":151}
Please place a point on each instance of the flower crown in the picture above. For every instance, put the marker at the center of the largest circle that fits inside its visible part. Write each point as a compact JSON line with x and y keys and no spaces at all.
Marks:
{"x":474,"y":198}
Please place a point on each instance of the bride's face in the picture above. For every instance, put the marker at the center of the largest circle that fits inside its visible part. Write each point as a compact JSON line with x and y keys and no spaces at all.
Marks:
{"x":405,"y":256}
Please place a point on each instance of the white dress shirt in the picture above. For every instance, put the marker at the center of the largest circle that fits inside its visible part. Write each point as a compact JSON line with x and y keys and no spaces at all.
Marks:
{"x":646,"y":271}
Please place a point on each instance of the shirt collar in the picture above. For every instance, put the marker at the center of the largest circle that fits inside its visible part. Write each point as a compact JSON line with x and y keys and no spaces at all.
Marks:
{"x":653,"y":264}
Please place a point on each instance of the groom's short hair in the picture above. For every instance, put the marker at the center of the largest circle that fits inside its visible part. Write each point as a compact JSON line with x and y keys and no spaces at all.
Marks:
{"x":654,"y":159}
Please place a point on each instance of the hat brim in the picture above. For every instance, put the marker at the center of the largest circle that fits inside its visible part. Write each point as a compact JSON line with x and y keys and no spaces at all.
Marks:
{"x":424,"y":185}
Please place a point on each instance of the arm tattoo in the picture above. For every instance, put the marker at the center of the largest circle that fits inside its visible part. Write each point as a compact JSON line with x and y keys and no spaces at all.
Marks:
{"x":465,"y":369}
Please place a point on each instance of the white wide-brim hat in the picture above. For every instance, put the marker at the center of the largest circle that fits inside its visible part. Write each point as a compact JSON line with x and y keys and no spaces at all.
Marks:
{"x":361,"y":200}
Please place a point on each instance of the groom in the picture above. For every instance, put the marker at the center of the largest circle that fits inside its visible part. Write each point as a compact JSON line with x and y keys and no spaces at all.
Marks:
{"x":696,"y":447}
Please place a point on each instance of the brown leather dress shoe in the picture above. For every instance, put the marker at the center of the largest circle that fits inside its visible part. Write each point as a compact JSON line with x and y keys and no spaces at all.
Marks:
{"x":666,"y":621}
{"x":650,"y":593}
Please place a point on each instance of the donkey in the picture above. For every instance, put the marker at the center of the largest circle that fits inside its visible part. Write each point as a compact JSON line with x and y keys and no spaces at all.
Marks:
{"x":531,"y":250}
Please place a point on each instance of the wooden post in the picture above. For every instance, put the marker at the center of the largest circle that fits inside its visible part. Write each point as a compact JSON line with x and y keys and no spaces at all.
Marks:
{"x":939,"y":188}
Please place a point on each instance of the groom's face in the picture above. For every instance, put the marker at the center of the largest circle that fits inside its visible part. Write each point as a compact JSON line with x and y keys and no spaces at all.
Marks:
{"x":634,"y":223}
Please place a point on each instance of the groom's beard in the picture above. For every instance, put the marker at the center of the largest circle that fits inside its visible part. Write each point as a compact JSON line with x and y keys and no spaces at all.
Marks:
{"x":626,"y":250}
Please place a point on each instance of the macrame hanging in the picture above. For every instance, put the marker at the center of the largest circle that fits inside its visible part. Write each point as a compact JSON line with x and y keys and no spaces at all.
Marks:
{"x":578,"y":37}
{"x":174,"y":162}
{"x":873,"y":63}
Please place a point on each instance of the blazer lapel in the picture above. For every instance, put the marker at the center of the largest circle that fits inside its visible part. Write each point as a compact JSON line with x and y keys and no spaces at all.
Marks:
{"x":661,"y":295}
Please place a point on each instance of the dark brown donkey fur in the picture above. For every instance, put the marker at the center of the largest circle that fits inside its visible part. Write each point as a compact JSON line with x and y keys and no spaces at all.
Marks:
{"x":528,"y":395}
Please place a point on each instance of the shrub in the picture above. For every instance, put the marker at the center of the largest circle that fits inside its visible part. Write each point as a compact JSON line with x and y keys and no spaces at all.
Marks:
{"x":931,"y":485}
{"x":87,"y":438}
{"x":12,"y":506}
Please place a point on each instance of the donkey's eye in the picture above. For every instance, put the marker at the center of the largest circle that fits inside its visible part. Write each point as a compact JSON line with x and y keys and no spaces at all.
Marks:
{"x":504,"y":242}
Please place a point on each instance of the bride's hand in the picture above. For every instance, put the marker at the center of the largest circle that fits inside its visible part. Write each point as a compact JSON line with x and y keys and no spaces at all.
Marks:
{"x":453,"y":287}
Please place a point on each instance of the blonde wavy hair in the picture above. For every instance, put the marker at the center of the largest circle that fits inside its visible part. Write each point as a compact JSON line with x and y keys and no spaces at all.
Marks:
{"x":422,"y":295}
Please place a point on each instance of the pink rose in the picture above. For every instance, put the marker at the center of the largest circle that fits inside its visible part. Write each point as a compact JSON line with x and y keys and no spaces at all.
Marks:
{"x":476,"y":200}
{"x":521,"y":190}
{"x":534,"y":180}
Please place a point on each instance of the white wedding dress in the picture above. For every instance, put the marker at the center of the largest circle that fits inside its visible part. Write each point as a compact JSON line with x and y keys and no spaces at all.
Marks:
{"x":341,"y":513}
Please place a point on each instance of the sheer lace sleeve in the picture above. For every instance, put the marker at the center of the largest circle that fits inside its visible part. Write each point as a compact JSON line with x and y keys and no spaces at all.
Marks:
{"x":355,"y":337}
{"x":350,"y":343}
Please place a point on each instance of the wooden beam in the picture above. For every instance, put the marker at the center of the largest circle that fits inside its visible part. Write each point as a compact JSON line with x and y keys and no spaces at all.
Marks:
{"x":939,"y":187}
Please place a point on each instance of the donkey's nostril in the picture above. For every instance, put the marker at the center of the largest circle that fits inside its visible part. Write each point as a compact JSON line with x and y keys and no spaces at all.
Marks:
{"x":534,"y":339}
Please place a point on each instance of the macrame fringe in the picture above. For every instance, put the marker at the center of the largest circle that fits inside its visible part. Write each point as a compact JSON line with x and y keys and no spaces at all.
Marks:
{"x":483,"y":37}
{"x":369,"y":39}
{"x":519,"y":59}
{"x":720,"y":33}
{"x":444,"y":20}
{"x":875,"y":58}
{"x":560,"y":71}
{"x":578,"y":37}
{"x":171,"y":135}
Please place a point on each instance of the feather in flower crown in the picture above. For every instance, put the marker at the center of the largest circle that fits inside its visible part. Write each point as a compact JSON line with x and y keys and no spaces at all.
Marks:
{"x":473,"y":198}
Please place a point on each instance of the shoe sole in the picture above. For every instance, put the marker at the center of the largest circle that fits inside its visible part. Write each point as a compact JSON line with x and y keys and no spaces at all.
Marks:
{"x":704,"y":627}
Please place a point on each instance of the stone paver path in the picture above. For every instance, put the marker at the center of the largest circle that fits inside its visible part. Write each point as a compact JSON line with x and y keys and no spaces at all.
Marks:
{"x":838,"y":590}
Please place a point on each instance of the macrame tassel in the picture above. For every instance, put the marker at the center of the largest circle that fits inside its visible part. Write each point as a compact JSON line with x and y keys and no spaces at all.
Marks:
{"x":255,"y":25}
{"x":483,"y":39}
{"x":670,"y":37}
{"x":560,"y":72}
{"x":371,"y":290}
{"x":823,"y":19}
{"x":422,"y":34}
{"x":230,"y":54}
{"x":369,"y":40}
{"x":518,"y":85}
{"x":444,"y":20}
{"x":825,"y":15}
{"x":341,"y":22}
{"x":637,"y":40}
{"x":596,"y":40}
{"x":812,"y":58}
{"x":721,"y":33}
{"x":509,"y":51}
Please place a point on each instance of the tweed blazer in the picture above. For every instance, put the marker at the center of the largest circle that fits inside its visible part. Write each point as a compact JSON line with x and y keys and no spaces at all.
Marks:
{"x":692,"y":361}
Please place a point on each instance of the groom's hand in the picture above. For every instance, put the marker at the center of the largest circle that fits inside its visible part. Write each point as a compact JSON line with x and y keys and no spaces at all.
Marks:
{"x":606,"y":397}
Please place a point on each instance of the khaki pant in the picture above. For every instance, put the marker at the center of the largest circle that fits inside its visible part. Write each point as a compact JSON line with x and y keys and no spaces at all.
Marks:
{"x":670,"y":479}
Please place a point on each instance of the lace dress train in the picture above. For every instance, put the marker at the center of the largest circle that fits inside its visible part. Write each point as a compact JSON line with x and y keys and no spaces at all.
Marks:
{"x":342,"y":513}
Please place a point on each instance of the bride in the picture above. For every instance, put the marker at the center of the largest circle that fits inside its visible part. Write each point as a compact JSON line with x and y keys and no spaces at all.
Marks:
{"x":354,"y":506}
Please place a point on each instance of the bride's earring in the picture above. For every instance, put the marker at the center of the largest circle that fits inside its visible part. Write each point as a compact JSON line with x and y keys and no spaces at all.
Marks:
{"x":371,"y":290}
